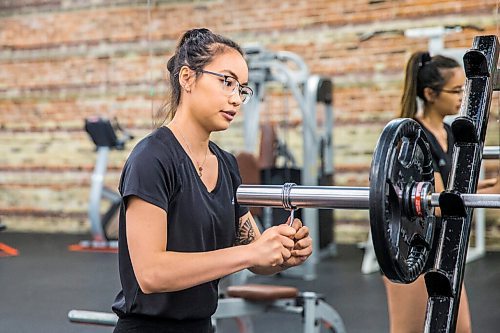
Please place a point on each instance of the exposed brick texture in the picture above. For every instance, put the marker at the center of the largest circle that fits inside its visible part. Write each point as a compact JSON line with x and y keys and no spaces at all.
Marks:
{"x":62,"y":61}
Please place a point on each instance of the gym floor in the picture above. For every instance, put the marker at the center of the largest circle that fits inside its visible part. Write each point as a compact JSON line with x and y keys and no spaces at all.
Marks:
{"x":46,"y":280}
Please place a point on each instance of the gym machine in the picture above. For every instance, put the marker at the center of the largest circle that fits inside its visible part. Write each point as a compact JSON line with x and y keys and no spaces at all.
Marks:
{"x":241,"y":302}
{"x":104,"y":135}
{"x":313,"y":95}
{"x":246,"y":301}
{"x":401,"y":199}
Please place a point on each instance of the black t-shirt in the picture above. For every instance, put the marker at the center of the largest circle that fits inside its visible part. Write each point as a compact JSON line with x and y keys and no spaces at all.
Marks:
{"x":160,"y":172}
{"x":441,"y":160}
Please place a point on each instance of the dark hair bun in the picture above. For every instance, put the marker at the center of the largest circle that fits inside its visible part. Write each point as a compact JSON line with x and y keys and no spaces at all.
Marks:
{"x":194,"y":36}
{"x":171,"y":64}
{"x":425,"y":57}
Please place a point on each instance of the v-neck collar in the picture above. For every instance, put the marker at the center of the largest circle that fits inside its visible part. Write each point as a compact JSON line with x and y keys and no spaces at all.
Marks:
{"x":193,"y":167}
{"x":434,"y":140}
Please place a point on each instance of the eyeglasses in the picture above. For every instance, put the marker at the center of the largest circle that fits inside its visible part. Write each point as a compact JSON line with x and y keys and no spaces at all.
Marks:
{"x":230,"y":86}
{"x":458,"y":91}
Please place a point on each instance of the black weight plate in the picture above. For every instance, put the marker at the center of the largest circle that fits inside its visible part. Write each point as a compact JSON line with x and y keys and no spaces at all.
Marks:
{"x":401,"y":240}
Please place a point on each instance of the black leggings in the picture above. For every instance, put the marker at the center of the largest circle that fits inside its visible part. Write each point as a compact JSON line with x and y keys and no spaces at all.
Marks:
{"x":151,"y":325}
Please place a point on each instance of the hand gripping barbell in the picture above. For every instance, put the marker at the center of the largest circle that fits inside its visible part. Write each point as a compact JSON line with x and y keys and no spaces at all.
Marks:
{"x":400,"y":199}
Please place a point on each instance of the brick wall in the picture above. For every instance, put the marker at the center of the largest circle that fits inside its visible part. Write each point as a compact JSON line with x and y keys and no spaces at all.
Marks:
{"x":61,"y":61}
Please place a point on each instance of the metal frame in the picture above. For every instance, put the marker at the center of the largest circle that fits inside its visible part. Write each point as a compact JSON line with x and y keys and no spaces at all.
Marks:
{"x":97,"y":192}
{"x":104,"y":135}
{"x":308,"y":304}
{"x":274,"y":67}
{"x":444,"y":281}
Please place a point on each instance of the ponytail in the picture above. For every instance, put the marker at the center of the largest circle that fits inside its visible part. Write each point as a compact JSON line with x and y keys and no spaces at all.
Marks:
{"x":422,"y":72}
{"x":409,"y":98}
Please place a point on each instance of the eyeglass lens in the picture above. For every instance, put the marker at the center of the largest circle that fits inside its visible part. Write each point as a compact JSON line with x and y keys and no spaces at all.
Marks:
{"x":231,"y":86}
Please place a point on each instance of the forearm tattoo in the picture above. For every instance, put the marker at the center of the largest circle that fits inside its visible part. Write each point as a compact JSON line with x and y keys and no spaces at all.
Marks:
{"x":246,"y":234}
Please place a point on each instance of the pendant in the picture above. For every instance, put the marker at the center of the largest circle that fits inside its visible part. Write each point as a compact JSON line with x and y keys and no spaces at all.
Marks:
{"x":200,"y":169}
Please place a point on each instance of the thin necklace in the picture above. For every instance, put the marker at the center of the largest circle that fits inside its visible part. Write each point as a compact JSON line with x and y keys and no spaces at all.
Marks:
{"x":200,"y":167}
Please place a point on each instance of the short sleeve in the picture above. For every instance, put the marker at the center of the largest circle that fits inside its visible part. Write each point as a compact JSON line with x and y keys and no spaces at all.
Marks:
{"x":236,"y":179}
{"x":145,"y":176}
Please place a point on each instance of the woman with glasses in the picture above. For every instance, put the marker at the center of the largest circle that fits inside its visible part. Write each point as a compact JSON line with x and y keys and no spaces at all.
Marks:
{"x":180,"y":227}
{"x":437,"y":82}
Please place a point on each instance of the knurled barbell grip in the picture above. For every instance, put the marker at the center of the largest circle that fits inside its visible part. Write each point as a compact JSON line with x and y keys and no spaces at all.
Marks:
{"x":338,"y":197}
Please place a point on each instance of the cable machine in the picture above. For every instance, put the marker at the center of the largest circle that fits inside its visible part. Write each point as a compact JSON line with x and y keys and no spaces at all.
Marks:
{"x":312,"y":94}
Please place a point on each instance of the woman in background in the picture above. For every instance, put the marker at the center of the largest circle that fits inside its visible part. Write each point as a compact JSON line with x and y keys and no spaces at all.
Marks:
{"x":438,"y":82}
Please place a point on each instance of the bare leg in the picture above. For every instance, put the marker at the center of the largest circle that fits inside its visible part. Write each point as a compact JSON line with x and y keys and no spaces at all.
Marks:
{"x":407,"y":306}
{"x":464,"y":323}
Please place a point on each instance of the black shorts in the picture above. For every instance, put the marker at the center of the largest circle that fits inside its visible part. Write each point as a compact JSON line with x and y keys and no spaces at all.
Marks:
{"x":139,"y":324}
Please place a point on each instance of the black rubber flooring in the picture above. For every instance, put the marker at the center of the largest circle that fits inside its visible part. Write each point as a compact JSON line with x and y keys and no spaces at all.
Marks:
{"x":45,"y":281}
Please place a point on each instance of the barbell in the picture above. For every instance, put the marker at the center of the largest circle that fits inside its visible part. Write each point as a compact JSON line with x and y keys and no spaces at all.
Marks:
{"x":400,"y":199}
{"x":341,"y":197}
